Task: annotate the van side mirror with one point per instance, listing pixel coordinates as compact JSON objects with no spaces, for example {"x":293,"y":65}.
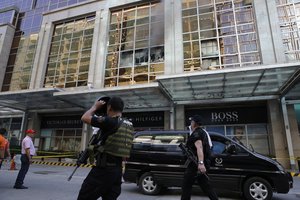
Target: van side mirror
{"x":231,"y":149}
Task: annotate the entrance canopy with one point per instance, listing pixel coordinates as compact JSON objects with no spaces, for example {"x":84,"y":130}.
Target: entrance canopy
{"x":227,"y":85}
{"x":39,"y":99}
{"x":148,"y":96}
{"x":246,"y":83}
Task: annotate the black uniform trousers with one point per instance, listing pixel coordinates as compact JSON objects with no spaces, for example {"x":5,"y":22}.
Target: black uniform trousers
{"x":102,"y":182}
{"x":190,"y":176}
{"x":23,"y":171}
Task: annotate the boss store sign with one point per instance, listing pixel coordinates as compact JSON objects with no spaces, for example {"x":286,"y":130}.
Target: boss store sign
{"x":148,"y":119}
{"x":62,"y":122}
{"x":232,"y":115}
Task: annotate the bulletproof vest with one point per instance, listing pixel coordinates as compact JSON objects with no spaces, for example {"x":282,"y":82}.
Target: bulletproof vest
{"x":119,"y":143}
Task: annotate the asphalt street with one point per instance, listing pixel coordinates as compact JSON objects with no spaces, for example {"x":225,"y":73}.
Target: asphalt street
{"x":50,"y":183}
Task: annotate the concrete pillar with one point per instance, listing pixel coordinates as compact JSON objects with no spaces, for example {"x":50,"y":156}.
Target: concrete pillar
{"x":277,"y":135}
{"x":34,"y":122}
{"x":7,"y":33}
{"x":288,"y":133}
{"x":42,"y":53}
{"x":269,"y":34}
{"x":167,"y":120}
{"x":101,"y":40}
{"x":294,"y":132}
{"x":173,"y":37}
{"x":84,"y":137}
{"x":179,"y":120}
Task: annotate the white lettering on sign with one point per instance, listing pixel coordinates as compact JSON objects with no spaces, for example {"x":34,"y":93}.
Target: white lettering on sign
{"x":146,"y":119}
{"x":225,"y":116}
{"x":69,"y":121}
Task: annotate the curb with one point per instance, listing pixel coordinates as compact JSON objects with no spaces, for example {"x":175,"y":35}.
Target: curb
{"x":60,"y":164}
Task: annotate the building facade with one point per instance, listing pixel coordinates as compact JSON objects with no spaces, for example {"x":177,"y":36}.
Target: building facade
{"x":234,"y":62}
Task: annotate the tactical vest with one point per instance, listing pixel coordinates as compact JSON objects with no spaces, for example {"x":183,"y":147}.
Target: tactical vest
{"x":119,"y":143}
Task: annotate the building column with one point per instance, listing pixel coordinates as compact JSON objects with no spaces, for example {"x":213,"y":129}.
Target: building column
{"x":277,"y":135}
{"x":172,"y":117}
{"x":179,"y":120}
{"x":100,"y":41}
{"x":84,"y":137}
{"x":288,"y":133}
{"x":173,"y":37}
{"x":294,"y":131}
{"x":7,"y":33}
{"x":34,"y":122}
{"x":42,"y":54}
{"x":269,"y":34}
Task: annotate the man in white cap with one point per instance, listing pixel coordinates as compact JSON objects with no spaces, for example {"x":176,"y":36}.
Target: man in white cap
{"x":28,"y":151}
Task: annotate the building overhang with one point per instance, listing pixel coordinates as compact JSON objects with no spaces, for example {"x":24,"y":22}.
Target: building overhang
{"x":38,"y":99}
{"x":229,"y":85}
{"x":136,"y":97}
{"x":220,"y":86}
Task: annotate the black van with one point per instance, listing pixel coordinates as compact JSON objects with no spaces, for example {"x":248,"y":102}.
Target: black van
{"x":157,"y":162}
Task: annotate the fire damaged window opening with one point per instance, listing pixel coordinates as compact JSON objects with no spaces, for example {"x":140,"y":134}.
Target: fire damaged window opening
{"x":136,"y":45}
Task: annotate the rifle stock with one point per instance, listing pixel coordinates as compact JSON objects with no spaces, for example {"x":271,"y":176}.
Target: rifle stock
{"x":82,"y":159}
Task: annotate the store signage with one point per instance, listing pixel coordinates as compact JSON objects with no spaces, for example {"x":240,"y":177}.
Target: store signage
{"x":146,"y":119}
{"x":61,"y":122}
{"x":233,"y":115}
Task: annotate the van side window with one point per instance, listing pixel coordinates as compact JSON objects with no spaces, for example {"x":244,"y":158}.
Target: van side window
{"x":167,"y":142}
{"x":220,"y":145}
{"x":142,"y":141}
{"x":168,"y":139}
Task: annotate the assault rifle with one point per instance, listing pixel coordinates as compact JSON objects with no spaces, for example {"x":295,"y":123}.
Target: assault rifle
{"x":82,"y":158}
{"x":191,"y":156}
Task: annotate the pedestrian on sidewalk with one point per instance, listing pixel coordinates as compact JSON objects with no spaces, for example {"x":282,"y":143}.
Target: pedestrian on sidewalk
{"x":27,"y":152}
{"x":2,"y":145}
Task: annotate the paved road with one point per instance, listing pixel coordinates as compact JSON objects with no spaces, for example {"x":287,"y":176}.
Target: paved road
{"x":50,"y":183}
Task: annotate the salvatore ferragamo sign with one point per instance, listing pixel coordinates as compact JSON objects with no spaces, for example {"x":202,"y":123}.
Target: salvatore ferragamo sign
{"x":233,"y":115}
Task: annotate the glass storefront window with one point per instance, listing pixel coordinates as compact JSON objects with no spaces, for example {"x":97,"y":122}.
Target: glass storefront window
{"x":60,"y":139}
{"x":237,"y":133}
{"x":250,"y":135}
{"x":13,"y":127}
{"x":216,"y":129}
{"x":136,"y":45}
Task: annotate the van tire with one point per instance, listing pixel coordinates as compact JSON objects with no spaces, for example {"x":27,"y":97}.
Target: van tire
{"x":257,"y":186}
{"x":147,"y":185}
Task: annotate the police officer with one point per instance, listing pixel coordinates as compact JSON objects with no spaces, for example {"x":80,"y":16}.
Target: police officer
{"x":198,"y":143}
{"x":104,"y":180}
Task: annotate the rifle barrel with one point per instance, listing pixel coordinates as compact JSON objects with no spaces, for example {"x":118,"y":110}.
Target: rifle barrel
{"x":70,"y":177}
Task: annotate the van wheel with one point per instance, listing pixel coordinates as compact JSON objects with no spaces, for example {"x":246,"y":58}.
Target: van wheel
{"x":257,"y":188}
{"x":147,"y":185}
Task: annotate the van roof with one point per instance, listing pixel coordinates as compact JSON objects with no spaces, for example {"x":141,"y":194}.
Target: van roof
{"x":167,"y":132}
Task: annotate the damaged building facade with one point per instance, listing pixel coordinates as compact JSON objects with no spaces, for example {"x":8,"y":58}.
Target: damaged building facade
{"x":234,"y":62}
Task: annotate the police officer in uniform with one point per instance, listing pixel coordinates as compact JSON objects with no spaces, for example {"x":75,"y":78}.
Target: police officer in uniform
{"x":198,"y":143}
{"x":104,"y":180}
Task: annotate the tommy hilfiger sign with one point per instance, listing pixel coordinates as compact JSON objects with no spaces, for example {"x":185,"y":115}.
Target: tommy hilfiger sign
{"x":232,"y":115}
{"x":146,"y":119}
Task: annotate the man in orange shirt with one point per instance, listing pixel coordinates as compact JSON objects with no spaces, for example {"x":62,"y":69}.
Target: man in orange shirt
{"x":2,"y":145}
